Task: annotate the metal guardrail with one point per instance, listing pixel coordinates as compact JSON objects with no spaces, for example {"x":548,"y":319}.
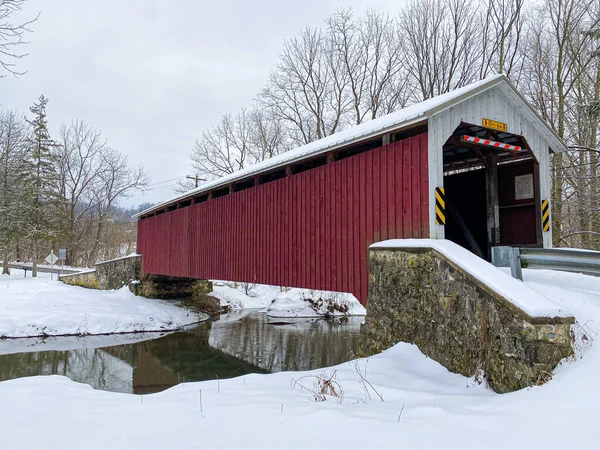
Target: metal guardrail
{"x":26,"y":267}
{"x":569,"y":260}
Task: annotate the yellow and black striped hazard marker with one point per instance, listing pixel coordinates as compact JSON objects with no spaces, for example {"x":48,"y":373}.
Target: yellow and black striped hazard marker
{"x":545,"y":215}
{"x":440,"y":206}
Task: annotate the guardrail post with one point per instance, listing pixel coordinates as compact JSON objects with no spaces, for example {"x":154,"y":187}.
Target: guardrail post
{"x":504,"y":256}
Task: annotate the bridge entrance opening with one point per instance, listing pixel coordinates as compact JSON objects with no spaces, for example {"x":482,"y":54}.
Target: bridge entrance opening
{"x":492,"y":190}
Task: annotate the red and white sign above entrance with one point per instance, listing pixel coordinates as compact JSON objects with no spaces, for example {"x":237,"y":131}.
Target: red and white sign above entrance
{"x":489,"y":143}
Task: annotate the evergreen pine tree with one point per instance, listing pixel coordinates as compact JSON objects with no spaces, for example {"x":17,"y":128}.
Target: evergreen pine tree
{"x":42,"y":198}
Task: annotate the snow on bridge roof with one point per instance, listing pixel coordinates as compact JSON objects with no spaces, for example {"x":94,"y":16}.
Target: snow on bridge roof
{"x":395,"y":121}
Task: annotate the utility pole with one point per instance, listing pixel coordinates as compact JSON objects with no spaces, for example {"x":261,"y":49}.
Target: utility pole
{"x":195,"y":178}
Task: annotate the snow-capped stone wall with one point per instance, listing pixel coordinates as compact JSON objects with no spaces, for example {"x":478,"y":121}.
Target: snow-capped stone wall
{"x":421,"y":296}
{"x":116,"y":273}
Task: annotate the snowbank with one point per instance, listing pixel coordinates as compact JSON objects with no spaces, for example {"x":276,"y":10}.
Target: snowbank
{"x":40,"y":307}
{"x":307,"y":303}
{"x":513,"y":290}
{"x":292,"y":302}
{"x":64,"y":343}
{"x":425,"y":405}
{"x":244,"y":296}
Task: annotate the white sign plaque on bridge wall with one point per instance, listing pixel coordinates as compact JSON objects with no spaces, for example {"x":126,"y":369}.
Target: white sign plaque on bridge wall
{"x":524,"y":187}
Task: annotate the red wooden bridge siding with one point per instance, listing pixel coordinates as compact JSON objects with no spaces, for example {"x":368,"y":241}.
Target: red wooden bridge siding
{"x":309,"y":230}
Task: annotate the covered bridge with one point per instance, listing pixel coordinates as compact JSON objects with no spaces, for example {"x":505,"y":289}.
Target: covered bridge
{"x":471,"y":166}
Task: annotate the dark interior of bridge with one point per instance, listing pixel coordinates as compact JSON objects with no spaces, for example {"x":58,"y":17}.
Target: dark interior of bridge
{"x":492,"y":193}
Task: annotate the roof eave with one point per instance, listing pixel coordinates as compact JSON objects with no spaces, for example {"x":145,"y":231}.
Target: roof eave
{"x":422,"y":118}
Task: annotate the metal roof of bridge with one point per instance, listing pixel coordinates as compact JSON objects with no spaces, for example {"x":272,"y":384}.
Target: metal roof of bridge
{"x":392,"y":122}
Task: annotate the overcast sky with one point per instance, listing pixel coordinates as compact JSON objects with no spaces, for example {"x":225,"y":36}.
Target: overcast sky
{"x":152,"y":74}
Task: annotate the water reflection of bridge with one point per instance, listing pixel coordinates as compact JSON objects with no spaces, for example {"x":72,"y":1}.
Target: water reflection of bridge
{"x":141,"y":367}
{"x":235,"y":345}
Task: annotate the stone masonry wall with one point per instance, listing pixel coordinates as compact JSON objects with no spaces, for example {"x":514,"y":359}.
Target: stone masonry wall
{"x":418,"y":296}
{"x":127,"y":271}
{"x":86,"y":279}
{"x":162,"y":286}
{"x":120,"y":272}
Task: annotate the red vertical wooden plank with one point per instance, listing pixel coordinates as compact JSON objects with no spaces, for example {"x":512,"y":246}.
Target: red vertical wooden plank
{"x":199,"y":240}
{"x":233,"y":217}
{"x":302,"y":278}
{"x":406,"y":198}
{"x":281,"y":255}
{"x":398,"y":188}
{"x":364,"y":233}
{"x":424,"y":185}
{"x":268,"y":219}
{"x":298,"y":226}
{"x":349,"y":268}
{"x":415,"y":184}
{"x":369,"y":202}
{"x":314,"y":228}
{"x":197,"y":229}
{"x":338,"y":222}
{"x":344,"y":225}
{"x":247,"y":227}
{"x":250,"y":271}
{"x":217,"y":234}
{"x":356,"y":244}
{"x":350,"y":225}
{"x":276,"y":239}
{"x":329,"y":189}
{"x":278,"y":244}
{"x":203,"y":240}
{"x":291,"y":226}
{"x":287,"y":201}
{"x":261,"y":221}
{"x":391,"y":195}
{"x":190,"y":254}
{"x":376,"y":166}
{"x":311,"y":194}
{"x":238,"y":216}
{"x":322,"y":226}
{"x":384,"y":191}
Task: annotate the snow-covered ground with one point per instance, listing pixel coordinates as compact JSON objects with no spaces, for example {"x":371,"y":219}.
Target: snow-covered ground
{"x":292,"y":302}
{"x":425,"y":406}
{"x":39,"y":306}
{"x":308,"y":303}
{"x":64,"y":343}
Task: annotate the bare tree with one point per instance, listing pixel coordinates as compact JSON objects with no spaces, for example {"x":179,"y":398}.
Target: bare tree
{"x":557,"y":59}
{"x":502,"y":38}
{"x":268,"y":135}
{"x":224,"y":148}
{"x":12,"y":36}
{"x":307,"y":88}
{"x":370,"y":55}
{"x":441,"y":44}
{"x":13,"y":144}
{"x":80,"y":169}
{"x":117,"y":181}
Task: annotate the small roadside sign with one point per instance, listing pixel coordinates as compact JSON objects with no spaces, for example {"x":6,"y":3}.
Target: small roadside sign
{"x":51,"y":258}
{"x":62,"y":254}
